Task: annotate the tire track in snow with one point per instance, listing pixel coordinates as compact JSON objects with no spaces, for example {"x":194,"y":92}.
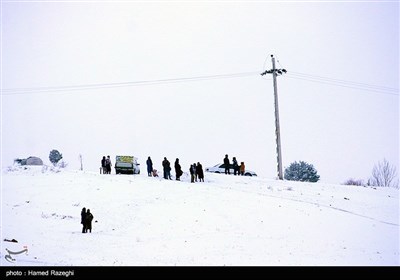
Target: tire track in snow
{"x":312,"y":203}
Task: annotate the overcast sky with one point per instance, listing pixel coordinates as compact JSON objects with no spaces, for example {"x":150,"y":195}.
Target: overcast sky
{"x":338,"y":102}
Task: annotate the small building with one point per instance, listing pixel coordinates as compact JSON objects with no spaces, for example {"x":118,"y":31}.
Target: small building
{"x":34,"y":161}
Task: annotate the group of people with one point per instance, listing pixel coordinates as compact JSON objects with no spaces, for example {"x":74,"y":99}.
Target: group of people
{"x":86,"y":220}
{"x":237,"y":169}
{"x":106,"y":165}
{"x":196,"y":170}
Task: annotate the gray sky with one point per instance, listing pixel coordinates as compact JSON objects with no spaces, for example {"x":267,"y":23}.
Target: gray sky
{"x":339,"y":103}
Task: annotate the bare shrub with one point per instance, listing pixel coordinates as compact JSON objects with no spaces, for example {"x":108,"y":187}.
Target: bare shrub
{"x":384,"y":175}
{"x":354,"y":182}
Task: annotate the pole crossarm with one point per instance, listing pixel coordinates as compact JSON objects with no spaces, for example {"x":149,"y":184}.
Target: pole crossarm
{"x":277,"y":72}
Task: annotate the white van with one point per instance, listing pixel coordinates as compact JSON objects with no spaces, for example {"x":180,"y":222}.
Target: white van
{"x":126,"y":165}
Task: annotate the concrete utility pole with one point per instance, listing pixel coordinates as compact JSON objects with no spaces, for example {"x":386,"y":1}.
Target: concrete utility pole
{"x":275,"y":72}
{"x":80,"y":158}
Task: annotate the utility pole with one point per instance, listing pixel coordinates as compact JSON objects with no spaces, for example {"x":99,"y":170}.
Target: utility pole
{"x":275,"y":72}
{"x":80,"y":158}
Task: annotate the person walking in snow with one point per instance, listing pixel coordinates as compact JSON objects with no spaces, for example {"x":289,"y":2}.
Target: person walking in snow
{"x":88,"y":220}
{"x":83,"y":219}
{"x":149,"y":163}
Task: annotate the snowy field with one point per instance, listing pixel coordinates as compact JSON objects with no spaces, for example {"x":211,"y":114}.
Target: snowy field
{"x":227,"y":220}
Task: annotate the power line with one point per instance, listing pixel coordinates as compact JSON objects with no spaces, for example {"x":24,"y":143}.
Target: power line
{"x":369,"y":88}
{"x":343,"y":81}
{"x":292,"y":75}
{"x":31,"y":90}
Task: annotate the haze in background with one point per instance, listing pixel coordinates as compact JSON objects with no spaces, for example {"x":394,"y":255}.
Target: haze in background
{"x":342,"y":128}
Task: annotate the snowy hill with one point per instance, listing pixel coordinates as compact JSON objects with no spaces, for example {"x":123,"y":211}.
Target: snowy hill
{"x":227,"y":220}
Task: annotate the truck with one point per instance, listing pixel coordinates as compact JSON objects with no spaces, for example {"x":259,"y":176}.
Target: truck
{"x":126,"y":165}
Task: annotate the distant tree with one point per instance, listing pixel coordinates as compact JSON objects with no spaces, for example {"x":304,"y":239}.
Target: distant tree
{"x":55,"y":157}
{"x":383,"y":175}
{"x":354,"y":182}
{"x":301,"y":171}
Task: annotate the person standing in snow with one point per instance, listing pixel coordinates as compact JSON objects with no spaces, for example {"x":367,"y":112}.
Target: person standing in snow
{"x":178,"y":170}
{"x":235,"y":166}
{"x":103,"y":165}
{"x":83,"y":219}
{"x":88,"y":220}
{"x":167,"y":168}
{"x":192,"y":171}
{"x":200,"y":172}
{"x":195,"y":172}
{"x":149,"y":163}
{"x":108,"y":165}
{"x":242,"y":167}
{"x":227,"y":164}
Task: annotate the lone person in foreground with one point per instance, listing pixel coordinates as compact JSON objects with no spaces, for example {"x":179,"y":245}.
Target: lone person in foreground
{"x":89,"y":219}
{"x":83,"y":219}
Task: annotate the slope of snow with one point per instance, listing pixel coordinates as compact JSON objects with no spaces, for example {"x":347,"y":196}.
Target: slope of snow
{"x":227,"y":220}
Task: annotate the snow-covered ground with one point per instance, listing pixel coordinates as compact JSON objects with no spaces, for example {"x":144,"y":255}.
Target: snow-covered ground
{"x":227,"y":220}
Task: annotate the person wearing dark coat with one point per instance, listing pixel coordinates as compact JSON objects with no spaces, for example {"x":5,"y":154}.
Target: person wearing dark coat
{"x":83,"y":220}
{"x":200,"y":172}
{"x":227,"y":164}
{"x":235,"y":166}
{"x":108,"y":164}
{"x":192,"y":171}
{"x":149,"y":163}
{"x":166,"y":168}
{"x":103,"y":165}
{"x":178,"y":170}
{"x":89,"y":219}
